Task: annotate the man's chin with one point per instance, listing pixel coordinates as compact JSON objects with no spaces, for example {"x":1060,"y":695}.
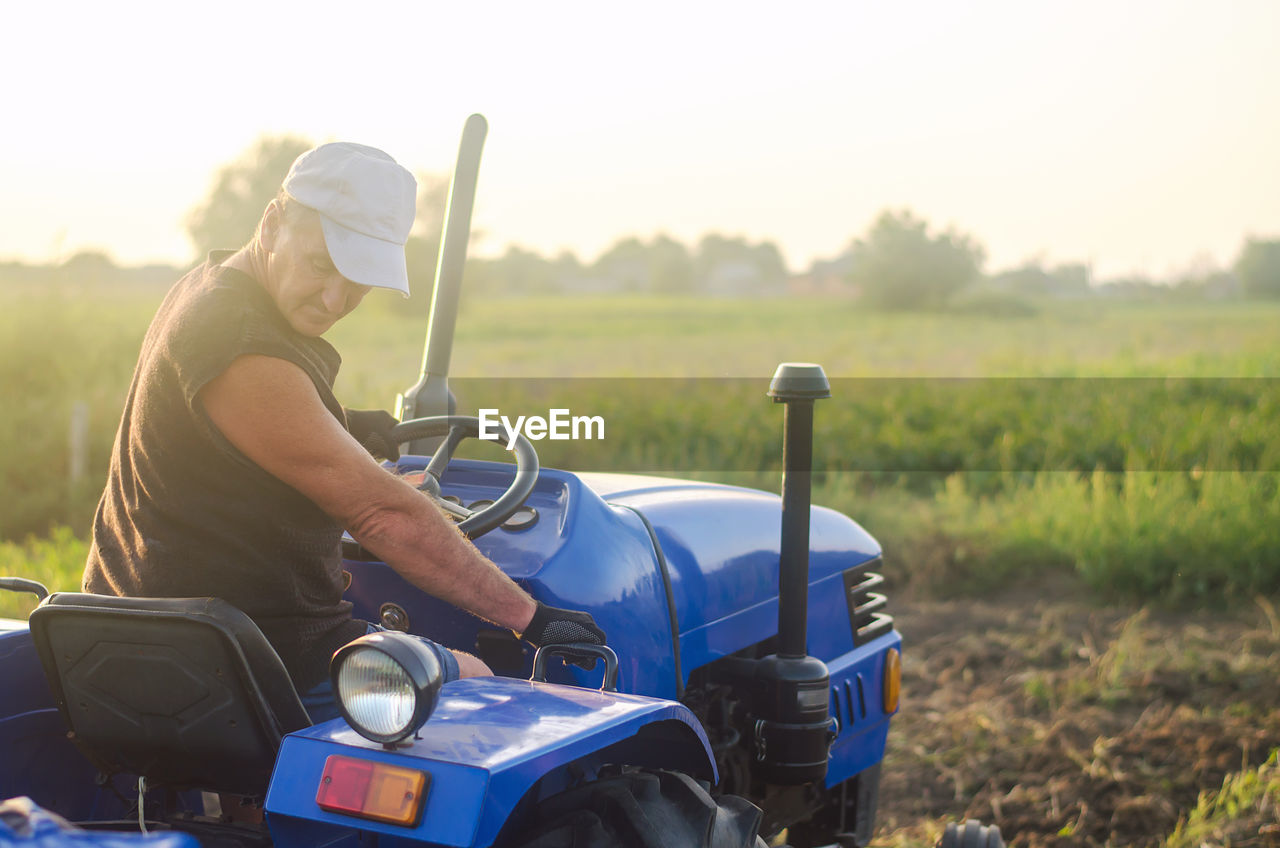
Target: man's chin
{"x":311,"y":325}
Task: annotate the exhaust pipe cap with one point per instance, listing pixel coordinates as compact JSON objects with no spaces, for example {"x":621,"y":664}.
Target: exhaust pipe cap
{"x":799,"y":381}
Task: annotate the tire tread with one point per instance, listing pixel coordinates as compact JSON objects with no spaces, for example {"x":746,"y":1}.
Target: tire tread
{"x":642,"y":809}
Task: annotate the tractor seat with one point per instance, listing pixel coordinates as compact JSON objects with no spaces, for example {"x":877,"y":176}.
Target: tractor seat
{"x":186,"y":692}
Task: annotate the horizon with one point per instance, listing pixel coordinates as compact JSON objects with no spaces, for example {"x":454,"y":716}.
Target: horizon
{"x":1136,"y":140}
{"x":1196,"y":274}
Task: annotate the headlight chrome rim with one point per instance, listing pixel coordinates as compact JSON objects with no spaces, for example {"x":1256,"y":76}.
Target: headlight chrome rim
{"x":387,"y":671}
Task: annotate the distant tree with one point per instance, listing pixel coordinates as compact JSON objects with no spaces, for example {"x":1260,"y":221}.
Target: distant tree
{"x":899,"y":265}
{"x":768,"y":259}
{"x":523,"y":271}
{"x":89,"y":267}
{"x":718,"y":264}
{"x":1034,"y":280}
{"x":1132,"y":287}
{"x":567,"y":271}
{"x":660,"y":265}
{"x":520,"y":271}
{"x":735,"y":265}
{"x":567,"y":264}
{"x":1203,"y":279}
{"x":626,"y":264}
{"x":241,"y":190}
{"x":1258,"y":268}
{"x":1028,"y":279}
{"x":1072,"y":278}
{"x":670,"y":266}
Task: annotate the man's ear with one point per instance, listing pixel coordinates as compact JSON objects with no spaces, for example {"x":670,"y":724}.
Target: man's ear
{"x":269,"y":226}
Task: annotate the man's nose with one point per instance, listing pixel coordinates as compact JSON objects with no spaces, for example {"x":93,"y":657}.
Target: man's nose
{"x":334,"y":294}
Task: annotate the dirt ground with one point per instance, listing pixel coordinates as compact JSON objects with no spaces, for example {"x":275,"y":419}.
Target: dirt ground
{"x":1067,"y":723}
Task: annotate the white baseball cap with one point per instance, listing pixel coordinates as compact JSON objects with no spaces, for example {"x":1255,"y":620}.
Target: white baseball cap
{"x":366,"y":203}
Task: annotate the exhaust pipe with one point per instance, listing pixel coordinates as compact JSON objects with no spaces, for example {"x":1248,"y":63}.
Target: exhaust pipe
{"x":797,"y":385}
{"x":431,"y":395}
{"x":791,"y":697}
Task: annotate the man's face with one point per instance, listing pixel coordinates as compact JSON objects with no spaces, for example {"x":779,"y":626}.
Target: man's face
{"x":308,"y":290}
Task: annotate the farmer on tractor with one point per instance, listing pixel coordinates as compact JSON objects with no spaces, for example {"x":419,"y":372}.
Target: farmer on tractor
{"x":235,"y":469}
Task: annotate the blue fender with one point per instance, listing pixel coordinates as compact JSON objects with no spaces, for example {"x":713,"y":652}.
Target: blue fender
{"x":485,"y":746}
{"x":36,"y":758}
{"x":24,"y":824}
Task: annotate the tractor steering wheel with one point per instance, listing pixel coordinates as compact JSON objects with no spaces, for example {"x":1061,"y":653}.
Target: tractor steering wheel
{"x":456,"y":428}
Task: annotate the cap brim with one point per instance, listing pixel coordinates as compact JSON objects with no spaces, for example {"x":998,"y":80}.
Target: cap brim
{"x":364,"y":259}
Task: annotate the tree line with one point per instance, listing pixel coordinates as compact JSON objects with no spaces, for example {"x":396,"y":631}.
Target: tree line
{"x":900,"y":263}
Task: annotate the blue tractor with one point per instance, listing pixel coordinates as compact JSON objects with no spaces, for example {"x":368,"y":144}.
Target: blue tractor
{"x":747,"y":695}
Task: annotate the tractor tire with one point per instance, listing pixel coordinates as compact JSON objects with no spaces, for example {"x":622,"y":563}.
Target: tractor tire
{"x":971,"y":834}
{"x":642,"y":809}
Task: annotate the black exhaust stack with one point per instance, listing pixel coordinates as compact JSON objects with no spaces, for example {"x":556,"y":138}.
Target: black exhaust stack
{"x":791,"y":698}
{"x":431,"y":394}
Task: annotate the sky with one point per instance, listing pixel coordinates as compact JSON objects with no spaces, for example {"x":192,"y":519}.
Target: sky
{"x":1140,"y":137}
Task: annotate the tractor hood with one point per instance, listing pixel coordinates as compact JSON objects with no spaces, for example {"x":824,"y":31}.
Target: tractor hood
{"x":654,"y":560}
{"x":721,"y":545}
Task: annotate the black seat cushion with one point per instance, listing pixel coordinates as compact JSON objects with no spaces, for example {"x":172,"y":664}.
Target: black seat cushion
{"x":185,"y":691}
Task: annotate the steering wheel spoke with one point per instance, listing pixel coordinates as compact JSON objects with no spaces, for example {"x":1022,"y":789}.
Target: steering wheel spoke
{"x":456,"y":510}
{"x":441,"y":458}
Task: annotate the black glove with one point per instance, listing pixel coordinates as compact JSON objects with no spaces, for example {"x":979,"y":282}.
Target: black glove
{"x":552,"y":626}
{"x":372,"y":429}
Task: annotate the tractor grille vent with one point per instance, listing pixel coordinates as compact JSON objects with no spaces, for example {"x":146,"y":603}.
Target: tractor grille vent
{"x":849,"y":700}
{"x":867,"y":617}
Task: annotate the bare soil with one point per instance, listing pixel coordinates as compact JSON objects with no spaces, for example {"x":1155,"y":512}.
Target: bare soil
{"x":1069,"y":723}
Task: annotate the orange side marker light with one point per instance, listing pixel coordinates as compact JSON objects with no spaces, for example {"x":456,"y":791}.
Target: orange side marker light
{"x":892,"y":680}
{"x":372,"y":790}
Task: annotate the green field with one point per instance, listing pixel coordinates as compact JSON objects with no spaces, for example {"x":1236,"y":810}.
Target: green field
{"x":1145,"y":487}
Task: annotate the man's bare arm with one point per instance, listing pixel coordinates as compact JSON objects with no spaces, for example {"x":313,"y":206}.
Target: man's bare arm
{"x":270,"y":411}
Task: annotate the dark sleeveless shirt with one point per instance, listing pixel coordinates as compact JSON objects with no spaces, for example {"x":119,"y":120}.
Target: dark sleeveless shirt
{"x":185,"y":514}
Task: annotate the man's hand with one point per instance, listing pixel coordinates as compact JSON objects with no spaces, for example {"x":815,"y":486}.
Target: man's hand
{"x":372,"y":429}
{"x":553,"y":626}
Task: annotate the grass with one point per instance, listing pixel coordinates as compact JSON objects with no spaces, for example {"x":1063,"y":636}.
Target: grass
{"x":1183,"y":537}
{"x":1142,"y":485}
{"x":1149,"y":489}
{"x":58,"y":349}
{"x":1068,"y":722}
{"x":57,"y":561}
{"x":650,"y":336}
{"x":1216,"y":819}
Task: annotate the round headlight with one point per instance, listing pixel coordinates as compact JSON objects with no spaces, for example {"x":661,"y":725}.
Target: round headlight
{"x":386,"y":685}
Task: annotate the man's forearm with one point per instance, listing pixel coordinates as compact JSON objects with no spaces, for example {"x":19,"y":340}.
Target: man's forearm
{"x":268,"y":409}
{"x":413,"y":536}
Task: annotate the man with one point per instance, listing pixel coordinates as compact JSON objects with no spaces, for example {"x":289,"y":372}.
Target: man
{"x":234,"y":470}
